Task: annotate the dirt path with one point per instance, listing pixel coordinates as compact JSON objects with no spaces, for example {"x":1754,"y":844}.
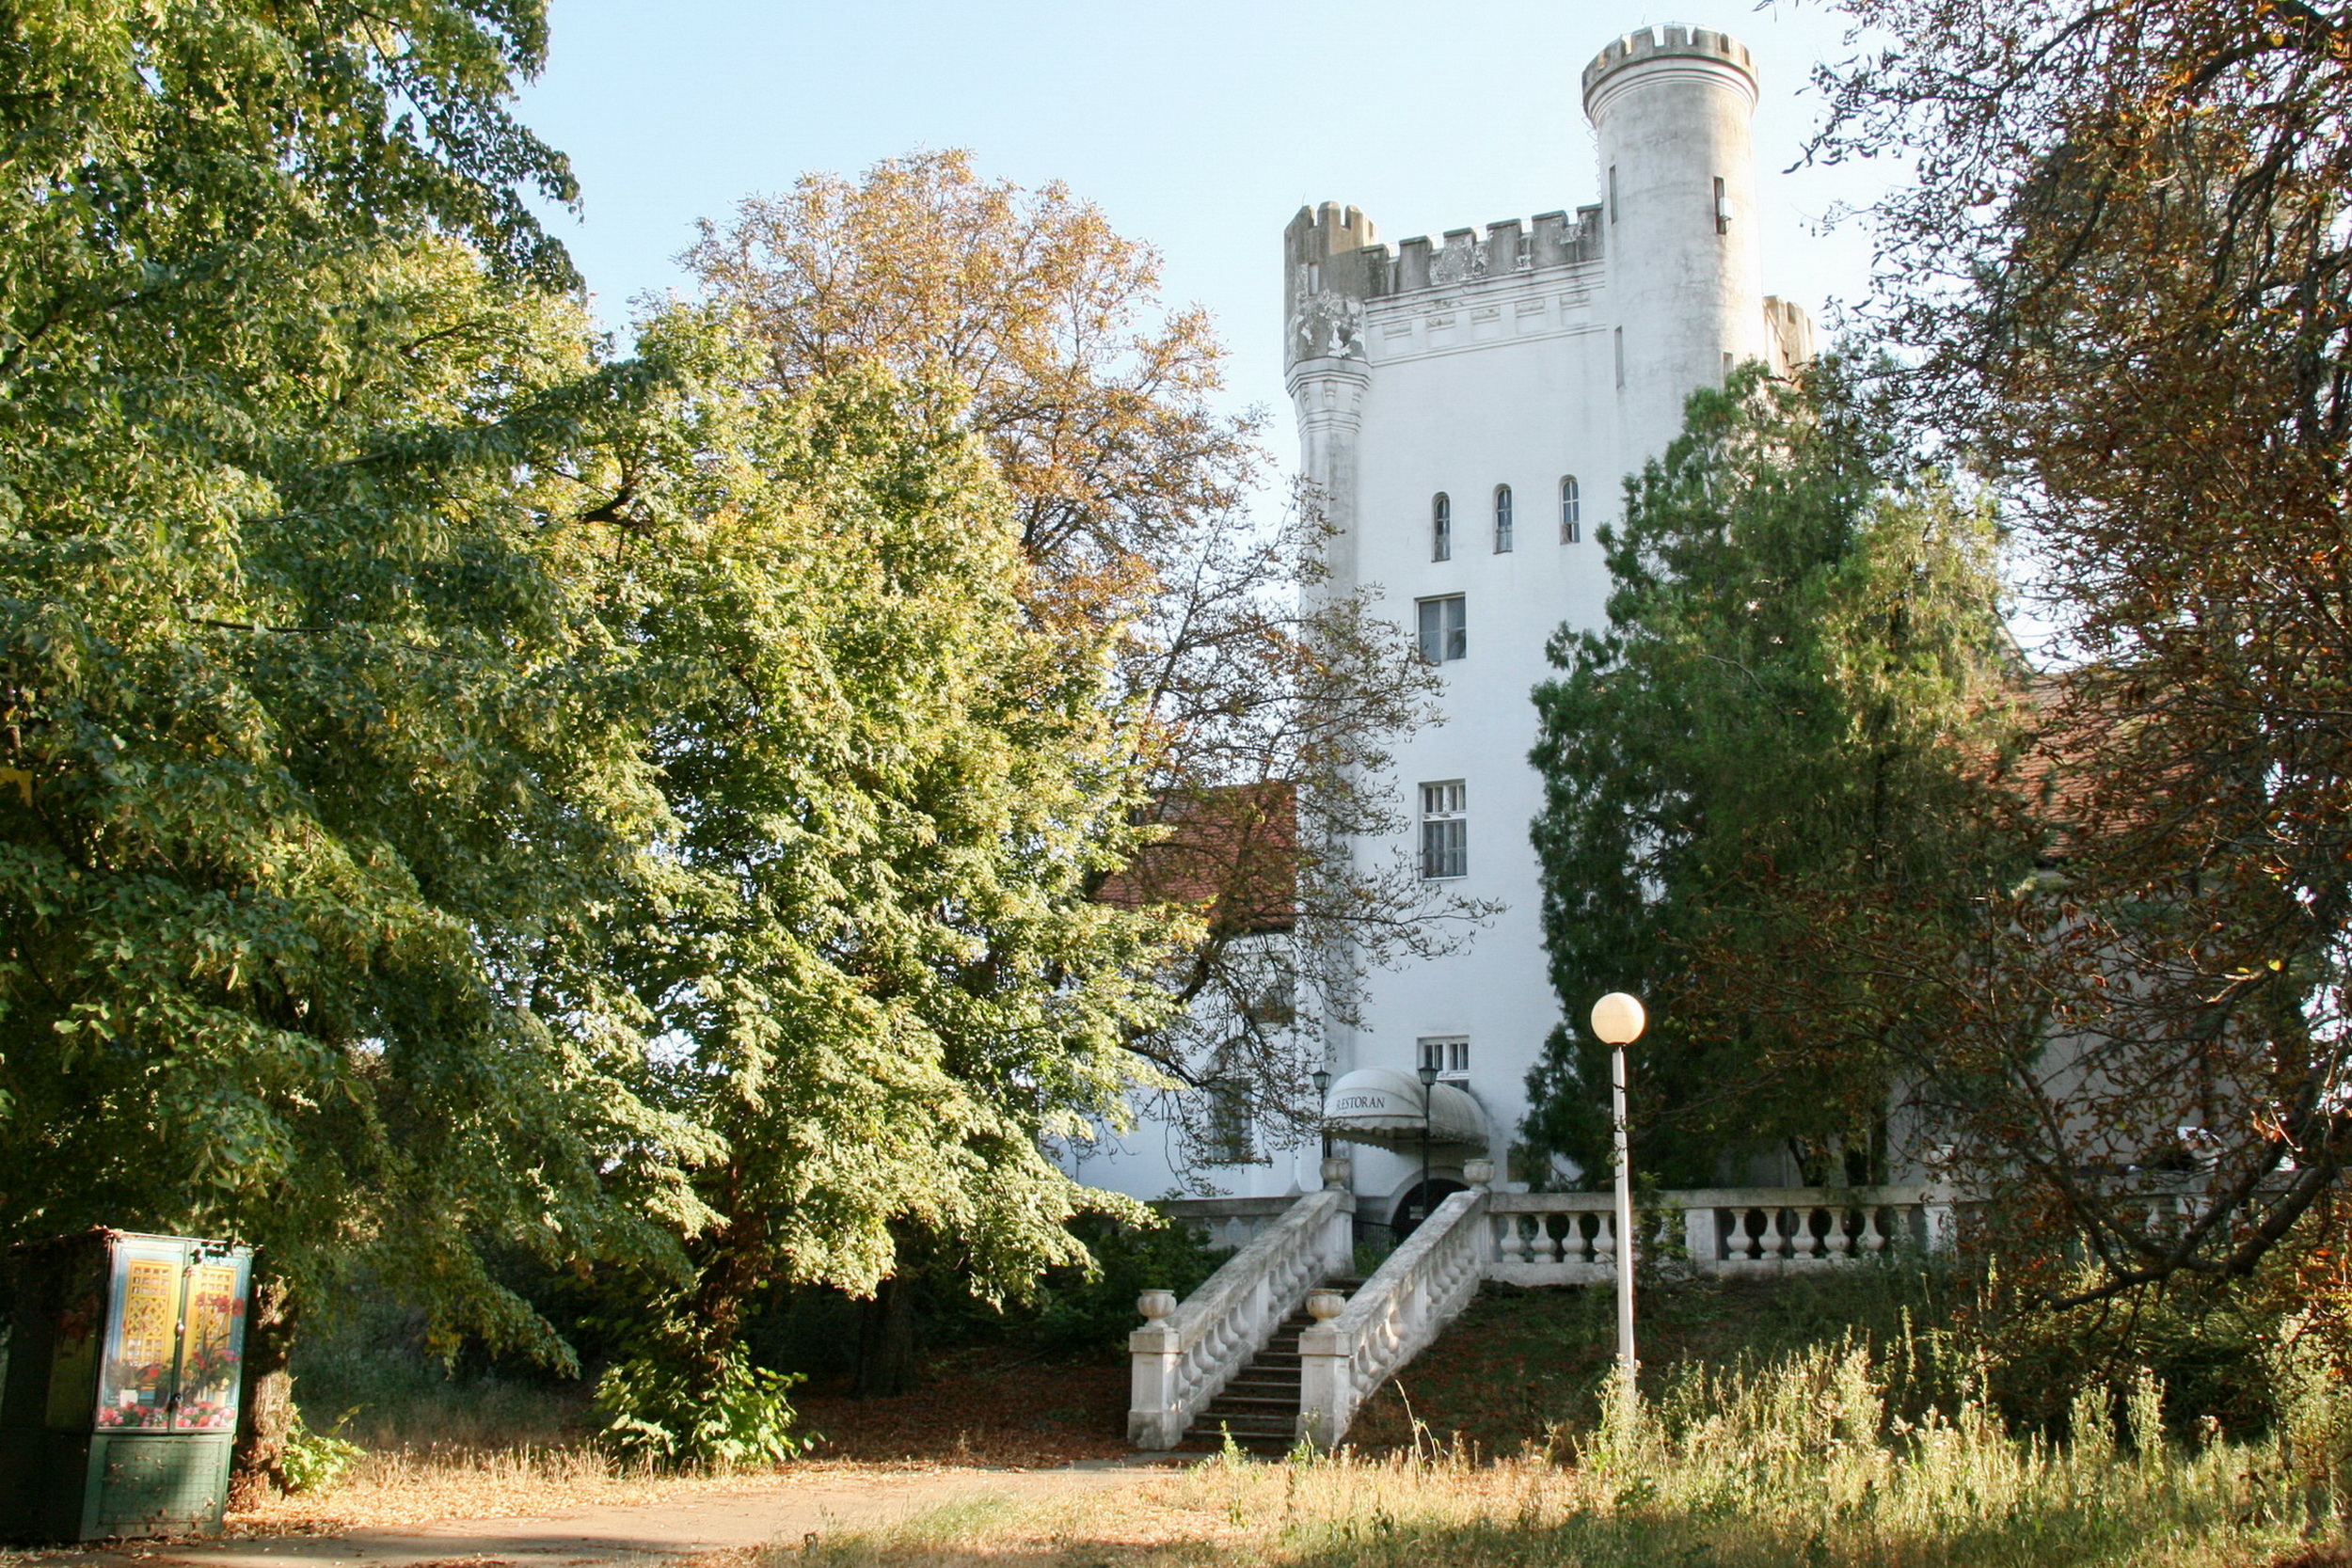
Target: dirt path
{"x":789,"y":1511}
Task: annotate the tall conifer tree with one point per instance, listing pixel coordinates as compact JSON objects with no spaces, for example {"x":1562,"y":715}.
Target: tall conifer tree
{"x":1782,"y":738}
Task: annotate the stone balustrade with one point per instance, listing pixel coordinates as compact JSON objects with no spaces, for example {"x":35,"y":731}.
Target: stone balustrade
{"x":1186,"y":1352}
{"x":1355,"y":1345}
{"x":1570,"y":1238}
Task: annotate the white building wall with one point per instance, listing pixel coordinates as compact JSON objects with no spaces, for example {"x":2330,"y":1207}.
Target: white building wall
{"x":1536,"y":351}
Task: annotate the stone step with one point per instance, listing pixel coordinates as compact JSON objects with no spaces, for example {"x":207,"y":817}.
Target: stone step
{"x":1260,"y":1407}
{"x":1251,"y":1404}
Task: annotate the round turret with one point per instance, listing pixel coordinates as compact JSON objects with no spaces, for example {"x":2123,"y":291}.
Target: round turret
{"x":1672,"y":109}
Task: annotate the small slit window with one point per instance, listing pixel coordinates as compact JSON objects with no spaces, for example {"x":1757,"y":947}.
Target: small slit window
{"x":1440,"y":528}
{"x":1503,"y":519}
{"x":1572,"y":512}
{"x":1722,"y":208}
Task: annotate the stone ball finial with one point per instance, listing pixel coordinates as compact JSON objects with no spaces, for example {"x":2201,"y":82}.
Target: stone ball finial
{"x":1155,"y":1305}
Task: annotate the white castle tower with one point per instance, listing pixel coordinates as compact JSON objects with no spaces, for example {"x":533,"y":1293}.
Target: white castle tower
{"x":1469,"y":410}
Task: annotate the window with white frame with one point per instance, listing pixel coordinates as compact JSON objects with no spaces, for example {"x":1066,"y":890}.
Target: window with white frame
{"x":1444,"y":831}
{"x":1571,"y":511}
{"x":1443,"y":635}
{"x":1440,"y":528}
{"x":1503,"y":519}
{"x":1448,"y":1054}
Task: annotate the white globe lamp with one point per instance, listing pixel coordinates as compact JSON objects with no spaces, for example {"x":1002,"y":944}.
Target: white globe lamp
{"x":1618,"y":1020}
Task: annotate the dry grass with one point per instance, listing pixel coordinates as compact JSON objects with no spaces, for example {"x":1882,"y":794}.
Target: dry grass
{"x":416,"y":1486}
{"x":1801,"y":1462}
{"x":1446,"y":1512}
{"x":491,"y":1454}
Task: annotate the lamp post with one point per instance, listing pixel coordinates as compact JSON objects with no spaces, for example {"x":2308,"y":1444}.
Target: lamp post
{"x":1617,"y":1019}
{"x":1428,"y":1092}
{"x":1323,"y":1115}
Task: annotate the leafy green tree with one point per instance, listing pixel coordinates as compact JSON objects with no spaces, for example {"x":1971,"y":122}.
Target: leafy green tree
{"x":318,"y":779}
{"x":1782,"y":740}
{"x":1259,"y":703}
{"x":893,"y":793}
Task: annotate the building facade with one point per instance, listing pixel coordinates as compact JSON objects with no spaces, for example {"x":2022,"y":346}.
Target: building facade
{"x":1468,"y":410}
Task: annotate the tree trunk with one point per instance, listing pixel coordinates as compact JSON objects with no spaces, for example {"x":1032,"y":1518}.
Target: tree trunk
{"x":266,"y":1408}
{"x":885,"y":1340}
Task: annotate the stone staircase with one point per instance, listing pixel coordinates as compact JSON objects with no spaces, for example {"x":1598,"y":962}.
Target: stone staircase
{"x":1259,"y":1408}
{"x":1270,"y":1371}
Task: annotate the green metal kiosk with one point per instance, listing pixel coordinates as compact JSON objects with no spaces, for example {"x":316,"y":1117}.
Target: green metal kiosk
{"x":119,"y":1392}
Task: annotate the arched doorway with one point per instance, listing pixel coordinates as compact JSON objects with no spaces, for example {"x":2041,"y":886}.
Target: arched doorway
{"x":1419,"y":1199}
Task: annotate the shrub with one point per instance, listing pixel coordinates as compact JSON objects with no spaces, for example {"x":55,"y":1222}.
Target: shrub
{"x":661,"y":1414}
{"x":314,"y":1461}
{"x":1081,"y":1310}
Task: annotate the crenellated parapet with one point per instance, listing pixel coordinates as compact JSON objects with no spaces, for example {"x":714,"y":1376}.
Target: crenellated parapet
{"x":1333,"y":264}
{"x":1790,"y":335}
{"x":1671,"y":43}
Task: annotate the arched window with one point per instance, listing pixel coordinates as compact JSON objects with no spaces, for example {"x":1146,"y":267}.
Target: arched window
{"x":1503,"y":519}
{"x":1572,"y":512}
{"x":1440,"y":528}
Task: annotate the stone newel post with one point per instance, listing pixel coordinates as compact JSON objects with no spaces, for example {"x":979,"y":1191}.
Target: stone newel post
{"x":1152,"y":1419}
{"x":1325,"y":1367}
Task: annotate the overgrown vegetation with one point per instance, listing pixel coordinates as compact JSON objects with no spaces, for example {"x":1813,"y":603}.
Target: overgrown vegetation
{"x":1807,"y":1460}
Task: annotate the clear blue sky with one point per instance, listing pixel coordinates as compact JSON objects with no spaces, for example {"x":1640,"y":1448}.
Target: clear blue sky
{"x":1201,"y":128}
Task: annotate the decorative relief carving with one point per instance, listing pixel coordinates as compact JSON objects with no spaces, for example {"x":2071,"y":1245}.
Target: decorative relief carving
{"x":1325,"y":325}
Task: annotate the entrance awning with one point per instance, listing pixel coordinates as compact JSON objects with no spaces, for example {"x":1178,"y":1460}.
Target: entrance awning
{"x":1381,"y":1105}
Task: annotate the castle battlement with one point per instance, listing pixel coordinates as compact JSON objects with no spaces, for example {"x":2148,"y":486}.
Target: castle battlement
{"x":1669,"y":42}
{"x":1335,"y":251}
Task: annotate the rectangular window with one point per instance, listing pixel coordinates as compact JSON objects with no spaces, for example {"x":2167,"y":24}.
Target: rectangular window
{"x":1723,"y":209}
{"x":1612,"y":193}
{"x":1620,"y":341}
{"x":1229,"y":1131}
{"x":1503,"y":519}
{"x":1444,"y":831}
{"x":1448,"y":1054}
{"x":1443,"y":637}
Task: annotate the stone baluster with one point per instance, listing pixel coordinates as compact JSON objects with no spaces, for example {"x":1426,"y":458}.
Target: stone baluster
{"x":1699,"y":1239}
